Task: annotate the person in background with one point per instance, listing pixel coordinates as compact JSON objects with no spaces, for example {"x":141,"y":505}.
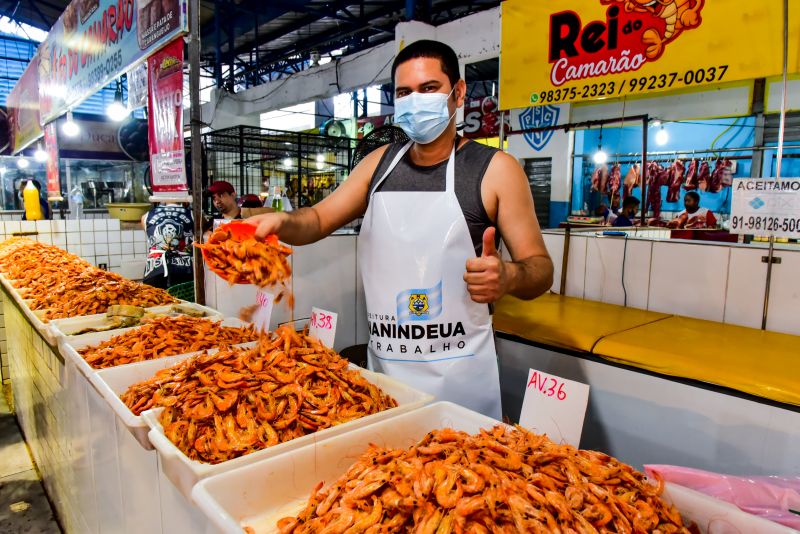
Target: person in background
{"x":693,"y":216}
{"x":42,"y":202}
{"x":169,"y":229}
{"x":627,"y":215}
{"x":250,"y":201}
{"x":223,"y":195}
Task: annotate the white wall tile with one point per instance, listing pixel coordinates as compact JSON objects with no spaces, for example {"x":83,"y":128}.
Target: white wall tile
{"x":101,"y":259}
{"x":100,"y":236}
{"x":90,"y":259}
{"x":12,"y":226}
{"x":87,"y":225}
{"x":114,"y":236}
{"x":28,"y":226}
{"x":73,"y":225}
{"x":99,"y":224}
{"x":114,"y":248}
{"x":101,"y":248}
{"x":43,"y":227}
{"x":689,"y":280}
{"x":60,"y":240}
{"x":139,"y":235}
{"x":127,"y":248}
{"x":140,"y":247}
{"x":128,"y":258}
{"x":126,"y":236}
{"x":45,"y":238}
{"x":59,"y":225}
{"x":113,"y":224}
{"x":87,"y":238}
{"x":73,"y":238}
{"x":74,"y":248}
{"x":87,"y":250}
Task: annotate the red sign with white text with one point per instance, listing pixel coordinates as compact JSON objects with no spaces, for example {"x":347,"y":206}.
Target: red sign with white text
{"x":51,"y":147}
{"x":481,"y":118}
{"x":165,"y":128}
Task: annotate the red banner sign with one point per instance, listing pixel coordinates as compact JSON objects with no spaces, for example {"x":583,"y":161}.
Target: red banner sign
{"x":481,"y":119}
{"x":165,"y":81}
{"x":51,"y":147}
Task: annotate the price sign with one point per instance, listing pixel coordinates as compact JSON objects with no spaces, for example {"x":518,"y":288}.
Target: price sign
{"x":554,"y":406}
{"x":766,"y":207}
{"x":322,"y":326}
{"x":265,"y":302}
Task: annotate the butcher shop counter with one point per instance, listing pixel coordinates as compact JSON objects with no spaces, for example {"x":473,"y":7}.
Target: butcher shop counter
{"x":690,"y":392}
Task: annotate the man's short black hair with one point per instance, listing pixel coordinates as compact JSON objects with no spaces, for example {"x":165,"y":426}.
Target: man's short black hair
{"x":693,"y":194}
{"x":630,"y":202}
{"x":430,"y":49}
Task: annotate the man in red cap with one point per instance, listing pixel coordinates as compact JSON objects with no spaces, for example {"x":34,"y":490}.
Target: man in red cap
{"x":223,"y":195}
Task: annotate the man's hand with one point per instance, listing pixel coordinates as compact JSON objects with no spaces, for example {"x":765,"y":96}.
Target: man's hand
{"x":486,"y":277}
{"x":267,"y":223}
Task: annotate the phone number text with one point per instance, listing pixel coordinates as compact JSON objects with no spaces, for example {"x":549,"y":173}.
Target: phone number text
{"x":765,"y":224}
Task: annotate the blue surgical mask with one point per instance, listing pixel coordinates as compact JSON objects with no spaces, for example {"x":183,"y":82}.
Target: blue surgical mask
{"x":423,"y":116}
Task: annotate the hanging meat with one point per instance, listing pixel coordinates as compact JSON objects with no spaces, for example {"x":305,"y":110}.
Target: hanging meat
{"x":675,"y":181}
{"x":703,"y":176}
{"x":656,"y":177}
{"x":718,"y":177}
{"x":614,"y":181}
{"x":600,"y":178}
{"x":632,"y":180}
{"x":691,"y":176}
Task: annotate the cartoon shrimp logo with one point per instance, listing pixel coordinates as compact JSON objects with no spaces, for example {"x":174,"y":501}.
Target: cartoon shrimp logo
{"x":678,"y":15}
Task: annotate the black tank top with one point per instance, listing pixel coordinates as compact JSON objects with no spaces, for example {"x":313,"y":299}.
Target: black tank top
{"x":472,"y":160}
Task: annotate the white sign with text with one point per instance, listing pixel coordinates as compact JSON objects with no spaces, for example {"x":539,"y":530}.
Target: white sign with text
{"x":265,"y":302}
{"x":766,"y":207}
{"x":554,"y":406}
{"x":322,"y":326}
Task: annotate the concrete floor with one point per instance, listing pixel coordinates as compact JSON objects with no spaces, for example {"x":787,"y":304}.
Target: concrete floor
{"x":24,"y":508}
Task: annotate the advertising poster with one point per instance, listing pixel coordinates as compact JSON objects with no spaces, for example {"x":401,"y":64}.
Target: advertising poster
{"x":167,"y":157}
{"x":579,"y":50}
{"x":51,"y":147}
{"x":23,"y":108}
{"x":94,"y":41}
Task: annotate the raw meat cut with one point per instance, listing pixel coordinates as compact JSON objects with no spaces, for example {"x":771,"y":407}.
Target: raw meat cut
{"x":599,"y":178}
{"x":614,"y":180}
{"x":703,"y":176}
{"x":715,"y":183}
{"x":691,"y":176}
{"x":656,"y":176}
{"x":675,"y":181}
{"x":632,"y":180}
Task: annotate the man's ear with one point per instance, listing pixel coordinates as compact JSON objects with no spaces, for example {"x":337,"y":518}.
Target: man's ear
{"x":460,"y":93}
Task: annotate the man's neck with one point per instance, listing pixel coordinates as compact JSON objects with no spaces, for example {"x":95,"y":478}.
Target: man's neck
{"x":231,"y":214}
{"x":693,"y":210}
{"x":437,"y":151}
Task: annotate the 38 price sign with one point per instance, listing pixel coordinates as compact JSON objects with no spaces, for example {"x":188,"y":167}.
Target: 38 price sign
{"x":554,"y":406}
{"x":322,"y":325}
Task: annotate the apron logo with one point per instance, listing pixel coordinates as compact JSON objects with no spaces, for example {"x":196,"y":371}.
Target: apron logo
{"x":419,"y":304}
{"x":539,"y":117}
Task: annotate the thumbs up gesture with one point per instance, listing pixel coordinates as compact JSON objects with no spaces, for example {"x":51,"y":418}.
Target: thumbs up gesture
{"x":486,"y":276}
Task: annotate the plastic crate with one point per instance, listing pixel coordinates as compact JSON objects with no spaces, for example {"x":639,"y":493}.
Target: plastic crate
{"x":184,"y":291}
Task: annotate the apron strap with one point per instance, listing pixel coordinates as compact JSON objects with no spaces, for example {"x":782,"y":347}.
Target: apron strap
{"x":450,"y":173}
{"x":391,"y":167}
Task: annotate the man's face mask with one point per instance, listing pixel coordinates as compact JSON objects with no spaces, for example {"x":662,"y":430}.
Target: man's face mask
{"x":423,"y":116}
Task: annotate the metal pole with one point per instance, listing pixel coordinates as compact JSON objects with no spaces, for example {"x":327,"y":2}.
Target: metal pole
{"x":197,"y":156}
{"x":241,"y":160}
{"x":643,"y":172}
{"x":781,"y":133}
{"x":217,"y":47}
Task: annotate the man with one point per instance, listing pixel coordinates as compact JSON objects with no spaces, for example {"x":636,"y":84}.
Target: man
{"x":693,"y":216}
{"x":223,"y":196}
{"x":626,"y":217}
{"x":169,"y":230}
{"x":427,"y":248}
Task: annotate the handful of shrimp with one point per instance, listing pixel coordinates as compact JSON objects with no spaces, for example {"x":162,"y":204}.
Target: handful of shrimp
{"x":501,"y":480}
{"x":236,"y":255}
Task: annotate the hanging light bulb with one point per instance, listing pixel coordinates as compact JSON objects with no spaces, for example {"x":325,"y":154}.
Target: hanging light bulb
{"x":116,"y":110}
{"x":23,"y":163}
{"x":656,"y":123}
{"x":320,"y":158}
{"x":287,"y":162}
{"x":40,"y":155}
{"x":662,"y":137}
{"x":600,"y":157}
{"x":70,"y":128}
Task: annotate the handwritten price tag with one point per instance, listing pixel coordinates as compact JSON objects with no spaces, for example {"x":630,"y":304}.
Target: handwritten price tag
{"x":322,"y":326}
{"x":554,"y":406}
{"x":265,"y":302}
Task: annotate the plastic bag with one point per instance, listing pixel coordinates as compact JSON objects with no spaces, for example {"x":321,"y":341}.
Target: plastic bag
{"x":774,"y":498}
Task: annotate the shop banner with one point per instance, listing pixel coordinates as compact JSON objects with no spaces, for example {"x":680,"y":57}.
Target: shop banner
{"x":577,"y":50}
{"x":22,"y":103}
{"x":766,"y":207}
{"x":167,"y":157}
{"x":94,"y":41}
{"x":51,"y":147}
{"x":481,"y":118}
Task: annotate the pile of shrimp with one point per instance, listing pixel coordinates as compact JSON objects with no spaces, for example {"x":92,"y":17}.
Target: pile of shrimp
{"x":247,"y":261}
{"x":221,"y":406}
{"x":165,"y":336}
{"x":502,"y":480}
{"x":67,"y":286}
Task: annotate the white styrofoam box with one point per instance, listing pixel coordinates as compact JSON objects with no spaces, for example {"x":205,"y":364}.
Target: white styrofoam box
{"x":101,"y":249}
{"x":604,"y":257}
{"x":688,"y":279}
{"x":745,"y":291}
{"x":138,"y":468}
{"x":713,"y":516}
{"x":43,"y":227}
{"x":127,"y":248}
{"x":113,"y":224}
{"x":99,"y":224}
{"x":86,"y":225}
{"x":228,"y":499}
{"x":27,"y":226}
{"x":100,"y":236}
{"x":73,"y":225}
{"x":58,"y":226}
{"x":65,"y":327}
{"x":12,"y":227}
{"x":114,"y":381}
{"x":114,"y":248}
{"x":185,"y":473}
{"x":35,"y":318}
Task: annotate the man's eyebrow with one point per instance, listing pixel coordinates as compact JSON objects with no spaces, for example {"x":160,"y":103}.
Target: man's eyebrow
{"x":429,"y":82}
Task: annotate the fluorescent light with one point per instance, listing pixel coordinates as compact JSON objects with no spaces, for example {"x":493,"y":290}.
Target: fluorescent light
{"x":320,"y":158}
{"x":287,"y":163}
{"x":40,"y":155}
{"x":662,"y":137}
{"x":23,"y":163}
{"x":600,"y":157}
{"x":70,"y":128}
{"x":116,"y":111}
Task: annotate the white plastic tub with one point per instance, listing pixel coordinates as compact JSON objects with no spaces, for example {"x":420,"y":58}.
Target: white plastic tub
{"x":114,"y":381}
{"x":185,"y":473}
{"x":260,"y":494}
{"x":69,"y":346}
{"x":68,"y":326}
{"x":36,"y":318}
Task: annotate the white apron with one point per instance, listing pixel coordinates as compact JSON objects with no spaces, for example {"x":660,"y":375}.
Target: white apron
{"x":425,"y":330}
